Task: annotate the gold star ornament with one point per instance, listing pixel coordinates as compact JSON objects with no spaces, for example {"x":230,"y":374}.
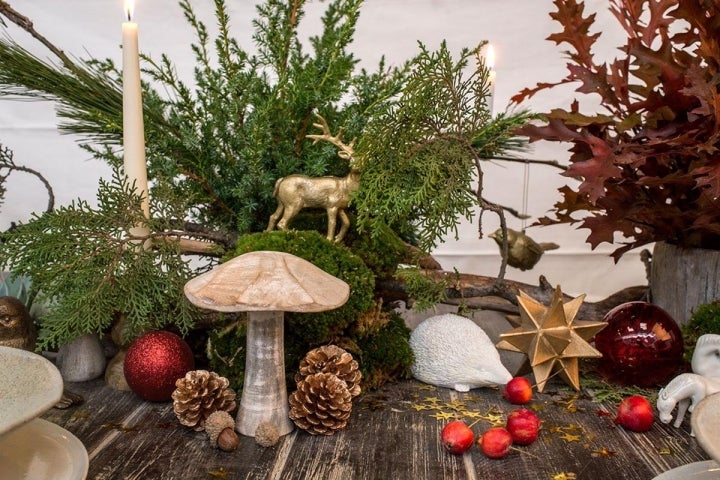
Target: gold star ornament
{"x":552,"y":338}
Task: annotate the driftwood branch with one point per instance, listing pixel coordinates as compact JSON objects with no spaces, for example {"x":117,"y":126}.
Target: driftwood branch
{"x":26,"y":24}
{"x":487,"y":293}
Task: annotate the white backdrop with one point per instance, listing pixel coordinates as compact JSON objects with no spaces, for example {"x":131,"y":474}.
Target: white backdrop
{"x":516,"y":28}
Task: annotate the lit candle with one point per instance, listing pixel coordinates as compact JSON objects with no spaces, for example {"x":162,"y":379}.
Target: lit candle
{"x":133,"y":127}
{"x":490,"y":63}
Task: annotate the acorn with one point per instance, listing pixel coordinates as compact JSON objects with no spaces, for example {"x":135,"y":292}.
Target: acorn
{"x":267,"y":434}
{"x":220,"y":427}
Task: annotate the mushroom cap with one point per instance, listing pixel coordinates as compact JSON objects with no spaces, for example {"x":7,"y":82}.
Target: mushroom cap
{"x":267,"y":281}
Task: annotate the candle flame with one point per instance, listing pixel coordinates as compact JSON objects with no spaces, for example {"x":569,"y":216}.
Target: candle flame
{"x":129,"y":7}
{"x":490,"y":57}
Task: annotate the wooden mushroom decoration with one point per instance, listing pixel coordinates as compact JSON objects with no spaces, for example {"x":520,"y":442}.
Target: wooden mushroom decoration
{"x":265,"y":284}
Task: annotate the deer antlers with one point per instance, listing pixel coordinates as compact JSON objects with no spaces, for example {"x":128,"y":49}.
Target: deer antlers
{"x":345,"y":150}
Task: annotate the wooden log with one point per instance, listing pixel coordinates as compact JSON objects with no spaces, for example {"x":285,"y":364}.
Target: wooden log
{"x":681,"y":279}
{"x":478,"y":291}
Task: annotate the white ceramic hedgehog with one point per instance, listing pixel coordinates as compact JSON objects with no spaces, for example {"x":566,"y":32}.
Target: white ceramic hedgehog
{"x":452,"y":351}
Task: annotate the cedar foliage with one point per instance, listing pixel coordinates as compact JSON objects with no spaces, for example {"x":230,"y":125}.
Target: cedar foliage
{"x":648,"y":163}
{"x":86,"y":264}
{"x":421,"y":156}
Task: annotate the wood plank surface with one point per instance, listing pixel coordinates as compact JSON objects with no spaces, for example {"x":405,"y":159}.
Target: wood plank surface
{"x":393,"y":434}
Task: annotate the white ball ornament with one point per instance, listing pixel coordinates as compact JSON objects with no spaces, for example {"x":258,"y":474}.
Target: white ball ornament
{"x":454,"y":352}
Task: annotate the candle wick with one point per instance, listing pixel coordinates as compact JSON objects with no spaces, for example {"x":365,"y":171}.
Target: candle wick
{"x":129,"y":16}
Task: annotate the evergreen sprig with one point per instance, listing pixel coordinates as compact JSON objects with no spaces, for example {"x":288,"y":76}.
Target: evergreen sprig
{"x":422,"y":154}
{"x":91,"y":269}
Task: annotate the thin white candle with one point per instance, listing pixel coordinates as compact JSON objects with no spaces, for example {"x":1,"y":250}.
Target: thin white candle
{"x":490,"y":63}
{"x":133,"y":127}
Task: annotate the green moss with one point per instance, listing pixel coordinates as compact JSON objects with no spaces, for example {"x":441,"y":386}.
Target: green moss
{"x":382,"y":252}
{"x":386,"y":353}
{"x":225,"y":351}
{"x":378,"y":340}
{"x":706,"y":319}
{"x":318,"y":328}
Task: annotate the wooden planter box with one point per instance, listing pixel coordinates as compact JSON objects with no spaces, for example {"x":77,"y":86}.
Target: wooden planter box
{"x":682,"y":279}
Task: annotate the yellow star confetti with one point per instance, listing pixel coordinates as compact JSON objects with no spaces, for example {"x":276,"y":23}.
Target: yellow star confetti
{"x":570,"y":438}
{"x":602,"y":452}
{"x":564,"y":476}
{"x":495,"y":419}
{"x":420,"y":406}
{"x":471,"y":415}
{"x":443,"y":415}
{"x":456,"y":405}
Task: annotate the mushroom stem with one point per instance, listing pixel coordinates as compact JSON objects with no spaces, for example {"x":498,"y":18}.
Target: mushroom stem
{"x":264,"y":395}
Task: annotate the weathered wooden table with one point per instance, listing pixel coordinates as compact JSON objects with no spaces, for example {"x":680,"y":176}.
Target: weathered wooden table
{"x":393,"y":435}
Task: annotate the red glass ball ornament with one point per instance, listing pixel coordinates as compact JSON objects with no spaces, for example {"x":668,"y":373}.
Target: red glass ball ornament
{"x":154,"y":361}
{"x":642,"y":345}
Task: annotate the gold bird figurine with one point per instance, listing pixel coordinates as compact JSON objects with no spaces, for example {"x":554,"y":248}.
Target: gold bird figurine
{"x":16,"y":326}
{"x":523,"y":251}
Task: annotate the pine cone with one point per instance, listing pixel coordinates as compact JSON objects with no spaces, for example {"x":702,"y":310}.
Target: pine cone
{"x":199,"y":394}
{"x":335,"y":360}
{"x":321,"y":404}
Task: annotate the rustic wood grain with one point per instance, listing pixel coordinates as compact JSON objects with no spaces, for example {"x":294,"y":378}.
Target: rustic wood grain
{"x":388,"y":437}
{"x":682,"y":279}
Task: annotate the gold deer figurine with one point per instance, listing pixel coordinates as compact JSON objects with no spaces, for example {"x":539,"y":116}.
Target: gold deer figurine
{"x":296,"y":192}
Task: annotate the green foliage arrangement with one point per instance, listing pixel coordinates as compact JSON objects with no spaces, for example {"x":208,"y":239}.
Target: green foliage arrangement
{"x":706,"y":319}
{"x":90,"y":269}
{"x":378,"y":340}
{"x":649,"y":161}
{"x":5,"y":158}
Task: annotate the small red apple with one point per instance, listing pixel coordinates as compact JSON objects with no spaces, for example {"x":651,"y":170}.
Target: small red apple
{"x":495,"y":443}
{"x":635,"y":413}
{"x":518,"y":391}
{"x":523,"y":425}
{"x":457,"y":437}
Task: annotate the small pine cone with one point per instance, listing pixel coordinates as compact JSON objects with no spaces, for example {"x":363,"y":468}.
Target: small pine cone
{"x":335,"y":360}
{"x":199,"y":394}
{"x":321,"y":404}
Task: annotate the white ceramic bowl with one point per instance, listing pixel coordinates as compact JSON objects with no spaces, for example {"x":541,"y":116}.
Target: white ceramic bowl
{"x":29,"y":386}
{"x":705,"y":423}
{"x":41,"y":450}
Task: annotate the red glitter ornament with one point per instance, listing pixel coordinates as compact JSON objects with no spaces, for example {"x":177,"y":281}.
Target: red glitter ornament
{"x":154,"y":362}
{"x":642,"y":345}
